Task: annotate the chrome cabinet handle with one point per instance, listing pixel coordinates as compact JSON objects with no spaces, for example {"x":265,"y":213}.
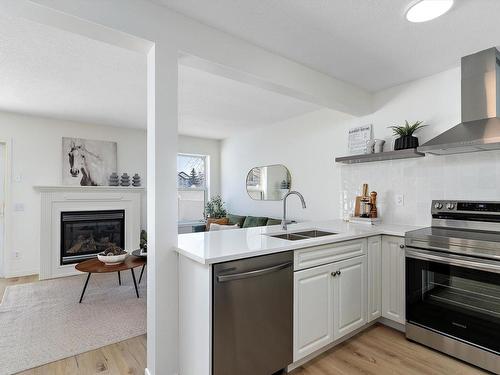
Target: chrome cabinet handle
{"x":401,"y":246}
{"x":336,"y":273}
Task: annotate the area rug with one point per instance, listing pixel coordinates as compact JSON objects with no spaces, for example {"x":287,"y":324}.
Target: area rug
{"x":43,"y":322}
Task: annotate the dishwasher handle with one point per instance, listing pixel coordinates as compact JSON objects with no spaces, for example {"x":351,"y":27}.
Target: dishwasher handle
{"x":259,"y":272}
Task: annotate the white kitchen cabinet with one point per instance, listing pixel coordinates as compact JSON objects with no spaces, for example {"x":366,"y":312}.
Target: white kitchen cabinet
{"x":374,"y":278}
{"x":329,"y":302}
{"x":393,"y":278}
{"x":349,"y":296}
{"x":313,"y":310}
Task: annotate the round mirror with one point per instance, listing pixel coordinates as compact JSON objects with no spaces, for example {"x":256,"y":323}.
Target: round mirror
{"x":269,"y":183}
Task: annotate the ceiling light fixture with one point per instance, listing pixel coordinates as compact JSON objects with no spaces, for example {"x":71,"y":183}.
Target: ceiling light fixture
{"x":426,"y":10}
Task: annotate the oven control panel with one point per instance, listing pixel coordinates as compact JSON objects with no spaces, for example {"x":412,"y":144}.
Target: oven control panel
{"x":444,"y":206}
{"x":476,"y":207}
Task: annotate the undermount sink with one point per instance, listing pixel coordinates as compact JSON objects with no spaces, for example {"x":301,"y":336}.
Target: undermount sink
{"x":289,"y":237}
{"x":304,"y":235}
{"x":314,"y":233}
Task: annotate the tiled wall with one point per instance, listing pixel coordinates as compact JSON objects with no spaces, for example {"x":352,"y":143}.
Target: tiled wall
{"x":474,"y":176}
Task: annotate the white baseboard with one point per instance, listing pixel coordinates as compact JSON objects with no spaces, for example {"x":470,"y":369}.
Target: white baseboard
{"x":146,"y":372}
{"x":21,"y":273}
{"x":391,"y":323}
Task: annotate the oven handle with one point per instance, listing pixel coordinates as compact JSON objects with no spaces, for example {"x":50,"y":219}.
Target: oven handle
{"x":454,"y":260}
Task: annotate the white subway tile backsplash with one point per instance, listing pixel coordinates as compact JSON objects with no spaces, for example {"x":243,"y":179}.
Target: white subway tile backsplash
{"x":473,"y":176}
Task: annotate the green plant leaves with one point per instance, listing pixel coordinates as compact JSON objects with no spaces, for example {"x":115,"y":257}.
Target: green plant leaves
{"x":407,"y":129}
{"x":215,"y":208}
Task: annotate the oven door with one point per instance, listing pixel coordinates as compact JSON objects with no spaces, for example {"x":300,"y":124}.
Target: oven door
{"x":455,"y":295}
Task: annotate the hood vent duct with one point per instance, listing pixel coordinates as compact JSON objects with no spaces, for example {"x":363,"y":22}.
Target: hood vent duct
{"x":480,"y":126}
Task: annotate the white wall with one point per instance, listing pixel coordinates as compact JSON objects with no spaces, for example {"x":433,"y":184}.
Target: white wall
{"x":309,"y":144}
{"x":305,"y":145}
{"x":435,"y":100}
{"x":36,"y":159}
{"x":204,"y":146}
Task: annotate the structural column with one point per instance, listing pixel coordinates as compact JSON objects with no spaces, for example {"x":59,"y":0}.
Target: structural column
{"x":162,"y":273}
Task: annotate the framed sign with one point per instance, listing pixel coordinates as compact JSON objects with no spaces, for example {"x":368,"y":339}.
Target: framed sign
{"x":358,"y":137}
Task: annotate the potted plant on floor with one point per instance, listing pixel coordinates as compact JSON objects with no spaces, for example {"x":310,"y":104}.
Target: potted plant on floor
{"x":406,"y":139}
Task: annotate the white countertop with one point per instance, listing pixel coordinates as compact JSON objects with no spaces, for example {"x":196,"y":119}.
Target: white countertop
{"x":226,"y":245}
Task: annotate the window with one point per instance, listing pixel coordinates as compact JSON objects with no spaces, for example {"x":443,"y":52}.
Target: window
{"x":192,"y":176}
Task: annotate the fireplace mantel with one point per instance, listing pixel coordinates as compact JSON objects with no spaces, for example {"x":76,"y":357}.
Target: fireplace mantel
{"x":49,"y":188}
{"x":58,"y":199}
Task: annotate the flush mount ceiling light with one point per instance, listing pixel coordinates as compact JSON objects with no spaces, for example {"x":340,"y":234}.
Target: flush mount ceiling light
{"x":426,"y":10}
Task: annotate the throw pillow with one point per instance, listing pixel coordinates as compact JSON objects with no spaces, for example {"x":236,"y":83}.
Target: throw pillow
{"x":216,"y":227}
{"x":273,"y":222}
{"x":253,"y":221}
{"x":221,"y":221}
{"x":236,"y":219}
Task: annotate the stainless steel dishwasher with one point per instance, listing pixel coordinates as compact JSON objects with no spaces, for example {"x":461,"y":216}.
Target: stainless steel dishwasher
{"x":253,"y":315}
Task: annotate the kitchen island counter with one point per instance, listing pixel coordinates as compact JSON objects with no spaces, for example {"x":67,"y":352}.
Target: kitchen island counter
{"x":221,"y":246}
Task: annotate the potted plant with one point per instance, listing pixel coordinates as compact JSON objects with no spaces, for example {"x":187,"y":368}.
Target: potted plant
{"x":405,"y":133}
{"x":214,"y":209}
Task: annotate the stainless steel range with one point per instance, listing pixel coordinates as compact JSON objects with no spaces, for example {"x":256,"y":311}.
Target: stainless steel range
{"x":453,"y":282}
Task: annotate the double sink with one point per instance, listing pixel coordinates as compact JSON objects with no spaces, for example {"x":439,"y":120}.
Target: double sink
{"x":304,"y":235}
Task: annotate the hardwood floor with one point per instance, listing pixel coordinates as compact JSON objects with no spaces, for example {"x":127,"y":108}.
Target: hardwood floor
{"x":383,"y":350}
{"x":377,"y":351}
{"x":126,"y":357}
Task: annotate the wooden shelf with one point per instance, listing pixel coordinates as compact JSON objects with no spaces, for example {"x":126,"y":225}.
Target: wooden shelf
{"x":381,"y":156}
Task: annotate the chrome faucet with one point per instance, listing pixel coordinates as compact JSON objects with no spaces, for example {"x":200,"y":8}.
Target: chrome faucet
{"x":285,"y":222}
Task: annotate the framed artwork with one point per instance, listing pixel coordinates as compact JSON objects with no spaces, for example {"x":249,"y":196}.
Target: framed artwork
{"x":87,"y":162}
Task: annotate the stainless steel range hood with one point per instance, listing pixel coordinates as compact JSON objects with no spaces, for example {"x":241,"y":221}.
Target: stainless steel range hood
{"x":480,"y":127}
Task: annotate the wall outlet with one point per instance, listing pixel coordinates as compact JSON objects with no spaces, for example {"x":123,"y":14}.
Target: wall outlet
{"x":399,"y":200}
{"x":18,"y":178}
{"x":16,"y":254}
{"x":18,"y":207}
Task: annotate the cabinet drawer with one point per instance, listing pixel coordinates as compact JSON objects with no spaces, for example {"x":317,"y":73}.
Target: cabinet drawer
{"x":324,"y":254}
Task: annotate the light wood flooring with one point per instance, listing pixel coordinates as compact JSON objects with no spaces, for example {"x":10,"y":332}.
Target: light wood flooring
{"x":377,"y":351}
{"x":381,"y":350}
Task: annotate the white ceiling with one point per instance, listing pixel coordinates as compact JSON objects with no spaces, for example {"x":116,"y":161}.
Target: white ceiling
{"x":216,"y":107}
{"x":366,"y":42}
{"x":53,"y":73}
{"x":49,"y":72}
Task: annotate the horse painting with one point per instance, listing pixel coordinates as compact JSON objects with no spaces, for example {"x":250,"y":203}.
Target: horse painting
{"x":89,"y":163}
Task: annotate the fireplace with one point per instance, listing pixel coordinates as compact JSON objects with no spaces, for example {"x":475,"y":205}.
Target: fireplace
{"x":86,"y":233}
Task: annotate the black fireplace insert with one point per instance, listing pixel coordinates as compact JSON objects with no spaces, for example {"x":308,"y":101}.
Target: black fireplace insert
{"x":84,"y":234}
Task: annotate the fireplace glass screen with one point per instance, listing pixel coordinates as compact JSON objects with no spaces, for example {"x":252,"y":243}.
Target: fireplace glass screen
{"x":86,"y":233}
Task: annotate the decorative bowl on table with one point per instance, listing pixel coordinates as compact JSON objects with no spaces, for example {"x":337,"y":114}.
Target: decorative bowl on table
{"x":112,"y":256}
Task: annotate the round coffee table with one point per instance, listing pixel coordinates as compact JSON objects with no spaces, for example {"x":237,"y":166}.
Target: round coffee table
{"x":96,"y":266}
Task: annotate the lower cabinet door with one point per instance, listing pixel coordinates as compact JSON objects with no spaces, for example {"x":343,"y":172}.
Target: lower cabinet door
{"x":350,"y":296}
{"x":393,"y":278}
{"x":313,"y":310}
